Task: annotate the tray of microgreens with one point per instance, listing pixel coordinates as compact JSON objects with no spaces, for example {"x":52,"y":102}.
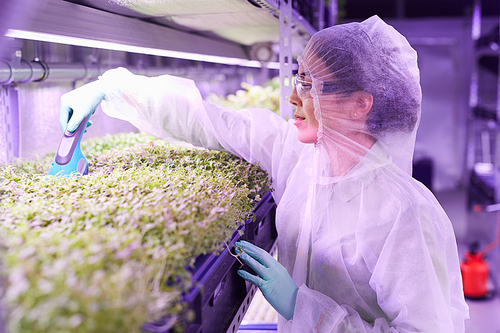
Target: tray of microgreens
{"x":108,"y":251}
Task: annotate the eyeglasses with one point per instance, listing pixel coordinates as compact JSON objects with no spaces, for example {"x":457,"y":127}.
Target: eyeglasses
{"x":303,"y":87}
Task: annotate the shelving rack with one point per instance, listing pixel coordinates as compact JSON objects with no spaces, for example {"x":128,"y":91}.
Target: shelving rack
{"x":209,"y":35}
{"x":243,"y":33}
{"x":220,"y":298}
{"x":483,"y":155}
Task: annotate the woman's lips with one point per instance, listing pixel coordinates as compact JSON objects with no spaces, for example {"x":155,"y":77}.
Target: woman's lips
{"x":298,"y":120}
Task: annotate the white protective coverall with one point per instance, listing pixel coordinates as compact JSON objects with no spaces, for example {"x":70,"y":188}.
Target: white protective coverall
{"x":369,"y":247}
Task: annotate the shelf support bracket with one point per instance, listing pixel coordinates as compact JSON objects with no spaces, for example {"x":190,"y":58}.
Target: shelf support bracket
{"x":285,"y":56}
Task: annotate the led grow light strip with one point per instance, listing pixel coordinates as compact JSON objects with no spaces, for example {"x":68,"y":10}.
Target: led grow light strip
{"x":46,"y":37}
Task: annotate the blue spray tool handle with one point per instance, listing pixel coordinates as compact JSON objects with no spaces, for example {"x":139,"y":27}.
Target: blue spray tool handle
{"x":69,"y":158}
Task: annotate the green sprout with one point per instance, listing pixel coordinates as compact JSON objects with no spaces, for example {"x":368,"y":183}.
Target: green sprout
{"x":108,"y":251}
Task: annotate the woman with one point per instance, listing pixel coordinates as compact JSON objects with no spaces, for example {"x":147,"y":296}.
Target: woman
{"x":362,"y":246}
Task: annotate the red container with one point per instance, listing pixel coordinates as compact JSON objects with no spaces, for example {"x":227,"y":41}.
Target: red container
{"x":474,"y":275}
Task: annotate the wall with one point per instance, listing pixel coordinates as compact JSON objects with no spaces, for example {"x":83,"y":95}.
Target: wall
{"x":445,"y":57}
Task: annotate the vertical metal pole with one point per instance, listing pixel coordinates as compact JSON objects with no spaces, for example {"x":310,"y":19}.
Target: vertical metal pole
{"x":475,"y":34}
{"x":9,"y":124}
{"x":497,"y":150}
{"x":471,"y":126}
{"x":498,"y":76}
{"x":321,"y":14}
{"x":285,"y":56}
{"x":476,"y":20}
{"x":400,"y":9}
{"x":3,"y":129}
{"x":334,"y":11}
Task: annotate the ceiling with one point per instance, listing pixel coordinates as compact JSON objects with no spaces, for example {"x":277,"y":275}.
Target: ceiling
{"x":361,"y":9}
{"x":247,"y":22}
{"x":254,"y":22}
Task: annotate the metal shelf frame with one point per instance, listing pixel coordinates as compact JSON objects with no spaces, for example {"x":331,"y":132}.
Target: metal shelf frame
{"x":483,"y":149}
{"x":81,"y":23}
{"x":65,"y":22}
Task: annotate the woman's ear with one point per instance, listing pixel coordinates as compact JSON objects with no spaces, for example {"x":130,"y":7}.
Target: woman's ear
{"x":363,"y":102}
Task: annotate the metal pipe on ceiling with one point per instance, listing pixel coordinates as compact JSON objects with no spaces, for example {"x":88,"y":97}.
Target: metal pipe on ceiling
{"x":23,"y":71}
{"x":36,"y":71}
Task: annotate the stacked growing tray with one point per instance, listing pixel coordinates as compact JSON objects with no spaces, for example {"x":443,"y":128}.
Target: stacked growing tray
{"x":220,"y":297}
{"x":198,"y":200}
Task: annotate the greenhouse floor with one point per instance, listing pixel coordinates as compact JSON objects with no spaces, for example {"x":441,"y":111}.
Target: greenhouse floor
{"x":484,"y":314}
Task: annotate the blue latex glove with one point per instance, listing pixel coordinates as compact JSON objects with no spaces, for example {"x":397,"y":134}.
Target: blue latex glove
{"x":274,"y":281}
{"x":76,"y":105}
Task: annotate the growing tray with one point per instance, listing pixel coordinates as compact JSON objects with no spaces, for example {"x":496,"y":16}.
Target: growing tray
{"x":220,"y":297}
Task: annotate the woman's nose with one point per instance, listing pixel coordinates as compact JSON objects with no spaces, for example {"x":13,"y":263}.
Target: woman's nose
{"x":294,"y":98}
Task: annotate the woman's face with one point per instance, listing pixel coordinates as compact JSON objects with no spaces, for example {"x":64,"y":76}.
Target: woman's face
{"x":305,"y":120}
